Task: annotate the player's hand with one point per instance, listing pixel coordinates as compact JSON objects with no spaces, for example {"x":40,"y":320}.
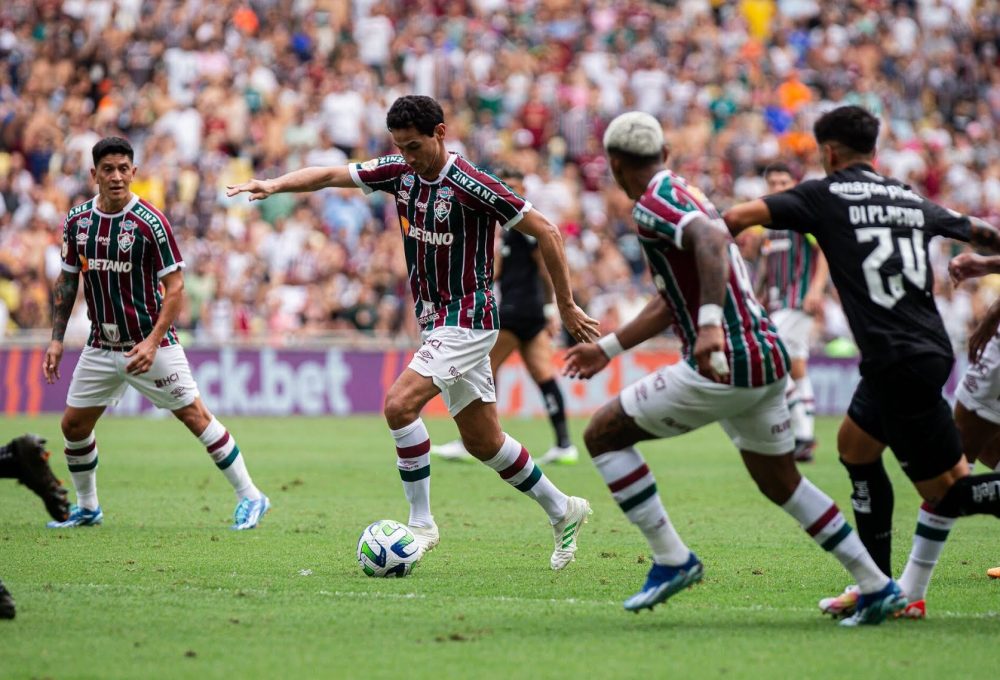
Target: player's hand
{"x":709,"y":353}
{"x":812,"y":303}
{"x":53,"y":356}
{"x":257,"y":188}
{"x":584,"y":361}
{"x":142,"y":356}
{"x":579,"y":326}
{"x":968,"y":266}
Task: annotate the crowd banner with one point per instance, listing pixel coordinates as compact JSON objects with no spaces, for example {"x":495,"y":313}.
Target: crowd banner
{"x":334,"y":382}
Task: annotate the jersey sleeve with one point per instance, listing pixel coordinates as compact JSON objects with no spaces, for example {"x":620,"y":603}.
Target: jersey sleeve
{"x":941,"y":221}
{"x":665,"y":212}
{"x":70,"y":258}
{"x":504,"y":204}
{"x":379,"y":174}
{"x":166,"y":255}
{"x":798,"y":208}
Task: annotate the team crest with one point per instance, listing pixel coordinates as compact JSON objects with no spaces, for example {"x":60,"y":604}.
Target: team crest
{"x":407,"y":180}
{"x":111,"y":332}
{"x":126,"y":237}
{"x":442,"y":203}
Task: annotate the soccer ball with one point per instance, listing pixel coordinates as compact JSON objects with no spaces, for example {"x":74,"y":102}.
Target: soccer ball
{"x":387,"y":548}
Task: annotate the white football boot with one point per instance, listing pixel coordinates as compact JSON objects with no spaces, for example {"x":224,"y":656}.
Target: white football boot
{"x":566,"y":531}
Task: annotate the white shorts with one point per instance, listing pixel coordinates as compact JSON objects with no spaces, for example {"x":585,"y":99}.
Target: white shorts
{"x":677,"y":399}
{"x":458,"y":361}
{"x":100,"y":379}
{"x":979,"y":390}
{"x":795,"y":330}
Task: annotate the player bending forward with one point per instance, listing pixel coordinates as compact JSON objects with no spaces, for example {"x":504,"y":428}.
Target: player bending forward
{"x":734,"y":372}
{"x":874,"y":231}
{"x":525,"y":290}
{"x":126,"y":251}
{"x":448,"y":209}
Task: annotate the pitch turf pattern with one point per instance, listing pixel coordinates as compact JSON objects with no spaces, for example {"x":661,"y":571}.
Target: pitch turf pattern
{"x":164,"y":589}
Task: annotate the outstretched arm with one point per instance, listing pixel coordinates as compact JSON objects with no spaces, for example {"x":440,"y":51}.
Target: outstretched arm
{"x":745,"y":215}
{"x":984,"y":235}
{"x":588,"y":359}
{"x":305,"y":179}
{"x":63,"y":299}
{"x":550,"y":244}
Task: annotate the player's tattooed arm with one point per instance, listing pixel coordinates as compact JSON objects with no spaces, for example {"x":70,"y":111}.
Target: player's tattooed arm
{"x":63,"y":299}
{"x":709,"y":242}
{"x":984,"y":235}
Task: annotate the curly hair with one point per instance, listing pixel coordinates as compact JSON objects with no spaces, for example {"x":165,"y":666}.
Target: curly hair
{"x":415,"y":111}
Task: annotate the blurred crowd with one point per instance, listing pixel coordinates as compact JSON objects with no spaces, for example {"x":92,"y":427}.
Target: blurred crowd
{"x":212,"y":93}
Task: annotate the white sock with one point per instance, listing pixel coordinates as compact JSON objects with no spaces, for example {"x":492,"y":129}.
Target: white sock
{"x":821,"y":518}
{"x":928,"y":542}
{"x":81,"y":457}
{"x":634,"y":489}
{"x":223,"y":450}
{"x":805,"y":428}
{"x":413,"y":458}
{"x":515,"y":466}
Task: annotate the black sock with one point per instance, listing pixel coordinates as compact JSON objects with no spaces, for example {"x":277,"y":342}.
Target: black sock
{"x":553,"y":398}
{"x":872,"y":499}
{"x":979,"y":495}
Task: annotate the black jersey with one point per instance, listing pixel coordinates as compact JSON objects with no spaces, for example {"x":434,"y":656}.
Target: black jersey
{"x":875,"y":232}
{"x":521,"y":293}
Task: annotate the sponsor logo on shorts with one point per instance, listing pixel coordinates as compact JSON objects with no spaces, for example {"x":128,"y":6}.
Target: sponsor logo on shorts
{"x":675,"y":425}
{"x":783,"y":426}
{"x":425,"y":355}
{"x":163,"y":382}
{"x":434,"y":342}
{"x":454,"y":372}
{"x":178,"y":392}
{"x":659,"y":382}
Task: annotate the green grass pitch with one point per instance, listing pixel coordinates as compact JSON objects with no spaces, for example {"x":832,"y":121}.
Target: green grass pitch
{"x":164,"y":589}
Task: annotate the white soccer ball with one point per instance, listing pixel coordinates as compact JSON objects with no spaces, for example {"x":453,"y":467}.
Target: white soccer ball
{"x":387,"y":548}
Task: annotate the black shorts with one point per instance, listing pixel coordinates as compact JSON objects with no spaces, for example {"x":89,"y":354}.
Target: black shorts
{"x":524,"y":327}
{"x":902,"y":406}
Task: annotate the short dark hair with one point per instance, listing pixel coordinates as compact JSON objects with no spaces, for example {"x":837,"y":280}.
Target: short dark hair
{"x":851,"y":126}
{"x":415,"y":111}
{"x":778,"y":166}
{"x":111,"y":145}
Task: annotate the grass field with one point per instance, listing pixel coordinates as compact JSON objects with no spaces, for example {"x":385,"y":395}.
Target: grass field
{"x":164,"y":589}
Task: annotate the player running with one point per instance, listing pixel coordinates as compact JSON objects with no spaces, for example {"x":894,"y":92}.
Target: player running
{"x":525,"y":300}
{"x":733,"y":372}
{"x":448,"y":211}
{"x":794,"y":278}
{"x":874,"y":231}
{"x":127,"y":252}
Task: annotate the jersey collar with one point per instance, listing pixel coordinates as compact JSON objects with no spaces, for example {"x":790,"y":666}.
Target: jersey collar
{"x":128,"y":206}
{"x":444,"y":171}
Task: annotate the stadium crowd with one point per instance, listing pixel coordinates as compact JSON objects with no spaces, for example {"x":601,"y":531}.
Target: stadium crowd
{"x":212,"y":93}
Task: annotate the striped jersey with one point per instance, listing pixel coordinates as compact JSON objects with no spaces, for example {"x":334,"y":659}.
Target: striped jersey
{"x":122,"y":257}
{"x":756,"y":355}
{"x":448,"y":227}
{"x":789,"y":266}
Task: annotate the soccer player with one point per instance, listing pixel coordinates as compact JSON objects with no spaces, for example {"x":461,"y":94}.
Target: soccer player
{"x":733,"y":372}
{"x":448,"y":210}
{"x":794,"y":278}
{"x":26,"y":460}
{"x":525,"y":298}
{"x":874,"y":232}
{"x":126,"y":251}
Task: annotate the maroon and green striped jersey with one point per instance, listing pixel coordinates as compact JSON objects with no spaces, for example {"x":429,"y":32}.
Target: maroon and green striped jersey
{"x":448,"y":227}
{"x":789,"y":266}
{"x":122,"y":257}
{"x":756,"y":355}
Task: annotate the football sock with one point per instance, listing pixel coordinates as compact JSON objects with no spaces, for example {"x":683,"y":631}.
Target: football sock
{"x":413,"y":458}
{"x":928,"y":542}
{"x":634,"y":489}
{"x":872,"y":499}
{"x":223,"y":450}
{"x":81,"y":457}
{"x":515,"y":466}
{"x":804,"y":415}
{"x":822,"y":519}
{"x":979,"y":495}
{"x":555,"y":406}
